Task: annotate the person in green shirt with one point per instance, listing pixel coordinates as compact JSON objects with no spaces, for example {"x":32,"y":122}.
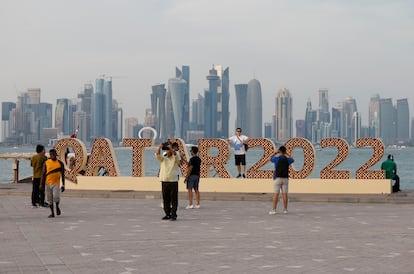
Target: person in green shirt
{"x":390,"y":168}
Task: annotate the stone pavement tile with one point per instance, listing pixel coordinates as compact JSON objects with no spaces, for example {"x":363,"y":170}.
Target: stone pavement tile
{"x":128,"y":236}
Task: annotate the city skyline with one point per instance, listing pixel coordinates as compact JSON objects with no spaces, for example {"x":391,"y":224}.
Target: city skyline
{"x":351,"y":48}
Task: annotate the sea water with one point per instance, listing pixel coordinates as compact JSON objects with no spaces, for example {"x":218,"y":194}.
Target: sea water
{"x":356,"y":158}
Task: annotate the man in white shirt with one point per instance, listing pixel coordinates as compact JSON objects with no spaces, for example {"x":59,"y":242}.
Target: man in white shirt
{"x":239,"y":142}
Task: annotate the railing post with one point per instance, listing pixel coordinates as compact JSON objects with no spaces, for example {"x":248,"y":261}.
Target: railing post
{"x":16,"y":170}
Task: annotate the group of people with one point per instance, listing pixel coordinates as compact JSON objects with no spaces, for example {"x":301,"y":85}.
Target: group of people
{"x":47,"y":177}
{"x":49,"y":173}
{"x":281,"y":160}
{"x":169,"y":173}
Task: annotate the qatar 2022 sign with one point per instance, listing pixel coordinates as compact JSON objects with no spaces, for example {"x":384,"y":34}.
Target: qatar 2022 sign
{"x":102,"y":155}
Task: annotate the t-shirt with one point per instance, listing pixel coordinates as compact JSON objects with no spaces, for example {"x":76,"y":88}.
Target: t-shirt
{"x":195,"y":162}
{"x":390,"y":169}
{"x":168,"y":168}
{"x":275,"y":160}
{"x":238,"y":142}
{"x":37,"y":162}
{"x":53,"y":178}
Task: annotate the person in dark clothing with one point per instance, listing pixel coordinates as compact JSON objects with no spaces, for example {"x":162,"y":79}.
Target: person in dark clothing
{"x":390,"y":168}
{"x":36,"y":162}
{"x":282,"y":161}
{"x":193,"y":178}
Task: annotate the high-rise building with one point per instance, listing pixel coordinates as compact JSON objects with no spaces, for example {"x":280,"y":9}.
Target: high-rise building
{"x":6,"y":117}
{"x":310,"y":120}
{"x":324,"y":115}
{"x":33,"y":96}
{"x":108,"y":110}
{"x":348,"y":108}
{"x":402,"y":121}
{"x":254,"y":127}
{"x":184,"y":74}
{"x":84,"y":118}
{"x":241,"y":107}
{"x":197,"y":114}
{"x":284,"y":118}
{"x":387,"y":126}
{"x":300,"y":128}
{"x":336,"y":120}
{"x":130,"y":123}
{"x":178,"y":90}
{"x":98,"y":108}
{"x":373,"y":116}
{"x":356,"y":128}
{"x":158,"y":107}
{"x":217,"y":103}
{"x":63,"y":116}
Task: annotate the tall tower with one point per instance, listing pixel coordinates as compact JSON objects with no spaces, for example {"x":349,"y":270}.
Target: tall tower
{"x":84,"y":115}
{"x":324,"y":115}
{"x":241,"y":105}
{"x":184,"y":74}
{"x":254,"y":110}
{"x":284,"y":119}
{"x":108,"y":111}
{"x":387,"y":122}
{"x":348,"y":108}
{"x":310,"y":119}
{"x":373,"y":116}
{"x":158,"y":97}
{"x":98,"y":108}
{"x":178,"y":91}
{"x":403,"y":121}
{"x":211,"y":102}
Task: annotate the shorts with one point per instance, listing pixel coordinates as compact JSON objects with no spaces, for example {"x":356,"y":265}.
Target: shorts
{"x":240,"y":159}
{"x":52,"y":194}
{"x":193,"y":182}
{"x":281,"y":184}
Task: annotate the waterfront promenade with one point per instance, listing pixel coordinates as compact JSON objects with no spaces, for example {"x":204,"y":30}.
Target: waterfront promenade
{"x":122,"y":232}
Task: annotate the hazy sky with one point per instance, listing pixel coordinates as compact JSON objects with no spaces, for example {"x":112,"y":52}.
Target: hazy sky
{"x":353,"y":48}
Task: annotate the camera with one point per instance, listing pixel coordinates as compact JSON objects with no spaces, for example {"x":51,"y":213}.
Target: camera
{"x":165,"y":146}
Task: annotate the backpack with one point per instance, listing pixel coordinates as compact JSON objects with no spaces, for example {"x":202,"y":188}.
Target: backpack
{"x":282,"y":167}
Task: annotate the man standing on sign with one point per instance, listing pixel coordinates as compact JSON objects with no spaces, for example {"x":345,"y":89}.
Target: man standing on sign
{"x":240,"y":143}
{"x":282,"y":161}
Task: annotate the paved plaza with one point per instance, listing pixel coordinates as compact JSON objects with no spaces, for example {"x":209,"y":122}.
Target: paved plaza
{"x":110,"y":235}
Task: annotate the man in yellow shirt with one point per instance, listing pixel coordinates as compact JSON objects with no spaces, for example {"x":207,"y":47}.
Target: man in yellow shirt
{"x":169,"y":179}
{"x":53,"y":172}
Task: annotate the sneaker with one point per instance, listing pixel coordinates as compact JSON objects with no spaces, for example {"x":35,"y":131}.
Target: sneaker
{"x":189,"y":207}
{"x":197,"y":206}
{"x":272,"y":212}
{"x":238,"y":176}
{"x":285,"y":211}
{"x":58,"y":211}
{"x":244,"y":176}
{"x":173,"y":218}
{"x":166,"y":217}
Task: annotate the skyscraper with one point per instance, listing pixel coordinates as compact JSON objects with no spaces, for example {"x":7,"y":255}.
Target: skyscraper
{"x":403,"y":121}
{"x":310,"y":119}
{"x":373,"y":116}
{"x":217,"y":103}
{"x":387,"y":121}
{"x":284,"y":119}
{"x":98,"y":109}
{"x":178,"y":90}
{"x":241,"y":107}
{"x":254,"y":127}
{"x":184,"y":74}
{"x":108,"y":111}
{"x":84,"y":115}
{"x":210,"y":109}
{"x":158,"y":107}
{"x":348,"y":108}
{"x":324,"y":115}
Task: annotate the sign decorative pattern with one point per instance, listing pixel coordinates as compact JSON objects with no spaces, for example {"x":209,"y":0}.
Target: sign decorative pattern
{"x":79,"y":149}
{"x":308,"y":154}
{"x":215,"y":153}
{"x":269,"y":150}
{"x":102,"y":156}
{"x":138,"y":155}
{"x":218,"y":162}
